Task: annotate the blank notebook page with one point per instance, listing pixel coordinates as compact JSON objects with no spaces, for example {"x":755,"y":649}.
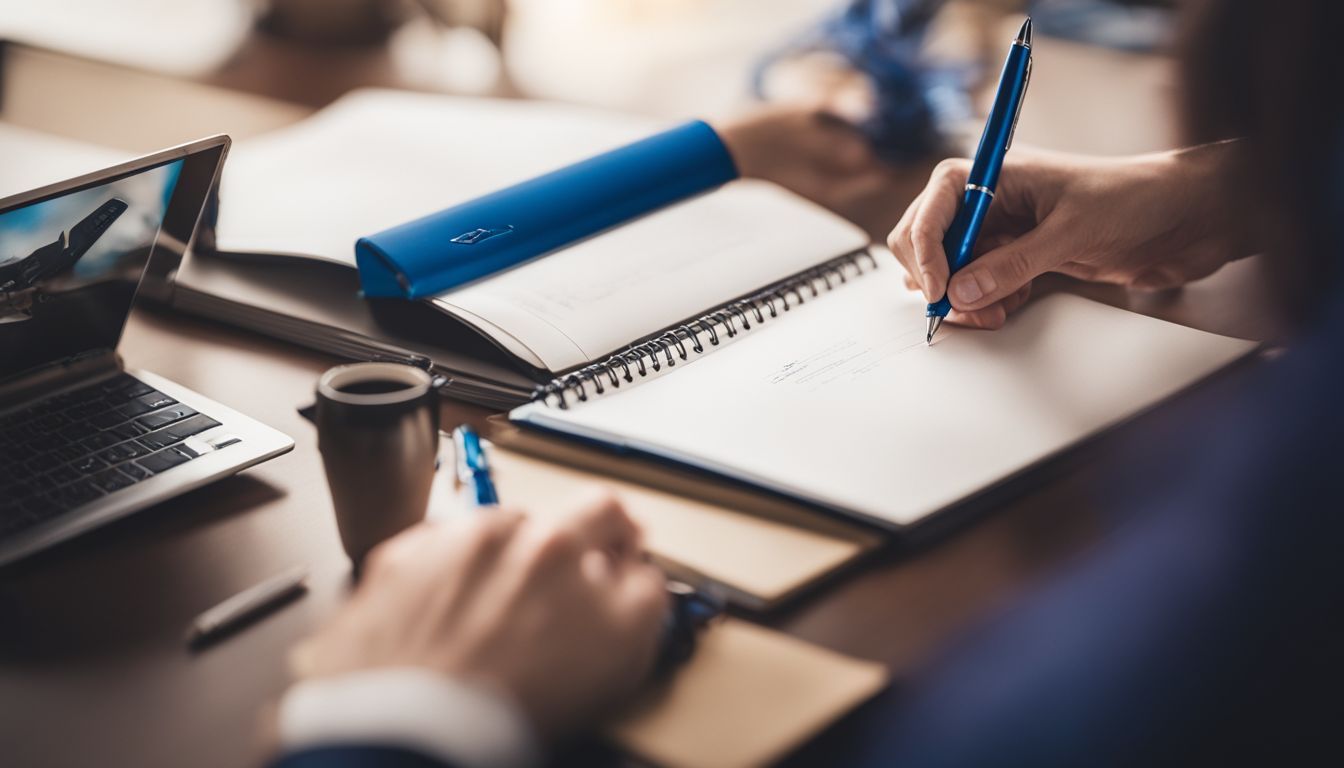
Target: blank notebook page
{"x":839,"y":401}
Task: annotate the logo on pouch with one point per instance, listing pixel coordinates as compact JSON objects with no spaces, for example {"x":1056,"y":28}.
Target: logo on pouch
{"x":480,"y":235}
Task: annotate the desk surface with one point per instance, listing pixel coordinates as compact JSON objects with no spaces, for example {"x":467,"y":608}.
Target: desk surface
{"x":92,"y":665}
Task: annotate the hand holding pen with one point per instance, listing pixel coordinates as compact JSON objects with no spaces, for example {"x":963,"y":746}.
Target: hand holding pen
{"x":1151,"y":221}
{"x":689,"y":610}
{"x":961,"y":226}
{"x":557,"y":622}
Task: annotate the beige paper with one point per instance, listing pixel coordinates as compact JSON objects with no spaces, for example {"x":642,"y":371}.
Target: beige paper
{"x":756,"y":558}
{"x":748,"y":697}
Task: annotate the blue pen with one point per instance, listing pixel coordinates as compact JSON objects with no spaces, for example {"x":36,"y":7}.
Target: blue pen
{"x":690,"y":610}
{"x":473,"y":470}
{"x":959,"y":242}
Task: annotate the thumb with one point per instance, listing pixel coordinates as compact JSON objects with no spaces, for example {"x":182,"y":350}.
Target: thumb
{"x":1003,"y":271}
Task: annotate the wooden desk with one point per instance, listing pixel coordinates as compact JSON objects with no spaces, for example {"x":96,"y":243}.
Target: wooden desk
{"x":92,"y":665}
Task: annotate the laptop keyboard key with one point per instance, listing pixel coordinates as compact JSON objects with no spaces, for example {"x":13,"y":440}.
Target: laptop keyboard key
{"x":165,"y":417}
{"x":164,"y":460}
{"x":69,"y":452}
{"x":112,"y":480}
{"x":98,"y":441}
{"x":89,"y":464}
{"x":107,"y":420}
{"x":17,"y":490}
{"x":192,"y":426}
{"x":43,"y":463}
{"x":138,"y":388}
{"x":64,"y":474}
{"x":40,"y":508}
{"x":128,"y":430}
{"x":160,"y":439}
{"x":80,"y":493}
{"x":133,"y":409}
{"x":135,"y":470}
{"x":122,"y":452}
{"x":156,"y":399}
{"x":44,"y":443}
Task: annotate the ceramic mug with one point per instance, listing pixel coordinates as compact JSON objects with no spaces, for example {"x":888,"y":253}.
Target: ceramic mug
{"x":378,"y":432}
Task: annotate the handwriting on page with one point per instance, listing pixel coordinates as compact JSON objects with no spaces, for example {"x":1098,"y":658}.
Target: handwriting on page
{"x":846,"y":360}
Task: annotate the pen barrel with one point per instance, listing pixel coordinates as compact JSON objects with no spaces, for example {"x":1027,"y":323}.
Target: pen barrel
{"x":1002,"y":118}
{"x":959,"y":242}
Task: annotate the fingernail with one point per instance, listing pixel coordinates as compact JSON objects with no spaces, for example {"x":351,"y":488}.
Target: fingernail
{"x":968,"y":289}
{"x":926,"y":278}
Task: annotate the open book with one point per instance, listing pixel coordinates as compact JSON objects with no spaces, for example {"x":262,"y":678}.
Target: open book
{"x":305,"y":194}
{"x":824,"y":390}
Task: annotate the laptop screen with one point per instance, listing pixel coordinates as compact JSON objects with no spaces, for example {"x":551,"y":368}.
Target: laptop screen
{"x":71,"y":260}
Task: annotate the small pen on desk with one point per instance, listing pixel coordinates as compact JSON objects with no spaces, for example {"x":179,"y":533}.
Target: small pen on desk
{"x":247,"y":604}
{"x":959,"y":242}
{"x":473,"y":469}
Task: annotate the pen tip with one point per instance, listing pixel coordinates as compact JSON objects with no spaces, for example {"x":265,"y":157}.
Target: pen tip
{"x":932,"y":327}
{"x":1024,"y":34}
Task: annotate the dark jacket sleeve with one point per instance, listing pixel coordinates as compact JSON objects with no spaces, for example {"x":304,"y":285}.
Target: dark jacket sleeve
{"x":358,"y":756}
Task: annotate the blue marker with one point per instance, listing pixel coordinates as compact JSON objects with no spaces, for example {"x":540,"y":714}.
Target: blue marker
{"x":959,"y":242}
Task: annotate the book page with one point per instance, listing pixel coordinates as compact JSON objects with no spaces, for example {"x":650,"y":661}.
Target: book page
{"x":841,"y":403}
{"x":580,"y":303}
{"x":378,"y":158}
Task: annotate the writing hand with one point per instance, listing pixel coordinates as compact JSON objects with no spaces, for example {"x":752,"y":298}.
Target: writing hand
{"x":1153,"y":221}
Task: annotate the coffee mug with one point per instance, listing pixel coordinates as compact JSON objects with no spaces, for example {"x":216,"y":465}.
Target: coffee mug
{"x":378,"y":432}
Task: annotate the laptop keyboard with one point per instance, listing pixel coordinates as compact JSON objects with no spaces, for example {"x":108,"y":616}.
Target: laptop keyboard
{"x":72,"y":448}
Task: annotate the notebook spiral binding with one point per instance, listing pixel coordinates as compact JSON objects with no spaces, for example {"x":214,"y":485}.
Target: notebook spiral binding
{"x":685,"y":340}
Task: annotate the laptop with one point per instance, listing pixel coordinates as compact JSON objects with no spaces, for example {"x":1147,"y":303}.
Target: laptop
{"x":83,"y":441}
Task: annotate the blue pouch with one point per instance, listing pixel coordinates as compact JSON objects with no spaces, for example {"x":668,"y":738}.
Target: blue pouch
{"x":492,"y":233}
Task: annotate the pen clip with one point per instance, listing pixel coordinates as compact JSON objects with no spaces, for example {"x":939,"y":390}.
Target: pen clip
{"x":1017,"y":113}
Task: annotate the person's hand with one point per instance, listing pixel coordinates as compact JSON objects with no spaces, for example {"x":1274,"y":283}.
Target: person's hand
{"x":1151,"y":222}
{"x":564,"y":618}
{"x":810,"y":151}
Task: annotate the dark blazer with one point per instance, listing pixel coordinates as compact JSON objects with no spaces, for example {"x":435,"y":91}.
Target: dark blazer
{"x":358,"y":756}
{"x":1207,"y":627}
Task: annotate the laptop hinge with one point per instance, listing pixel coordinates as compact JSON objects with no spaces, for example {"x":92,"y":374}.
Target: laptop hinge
{"x":54,"y":377}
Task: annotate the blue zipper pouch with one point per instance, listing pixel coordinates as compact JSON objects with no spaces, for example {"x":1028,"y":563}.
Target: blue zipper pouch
{"x":480,"y":237}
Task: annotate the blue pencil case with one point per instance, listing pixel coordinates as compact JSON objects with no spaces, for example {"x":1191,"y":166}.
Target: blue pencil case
{"x":492,"y":233}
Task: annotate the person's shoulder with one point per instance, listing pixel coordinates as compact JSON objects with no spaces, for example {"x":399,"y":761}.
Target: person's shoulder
{"x":357,"y":756}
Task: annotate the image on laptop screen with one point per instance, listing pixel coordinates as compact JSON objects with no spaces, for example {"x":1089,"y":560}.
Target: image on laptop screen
{"x":70,"y":265}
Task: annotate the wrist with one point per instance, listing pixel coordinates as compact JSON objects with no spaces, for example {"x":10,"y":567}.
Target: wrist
{"x":1209,"y":186}
{"x":463,"y":723}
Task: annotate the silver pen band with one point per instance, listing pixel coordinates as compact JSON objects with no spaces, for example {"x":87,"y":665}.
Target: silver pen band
{"x":978,"y":188}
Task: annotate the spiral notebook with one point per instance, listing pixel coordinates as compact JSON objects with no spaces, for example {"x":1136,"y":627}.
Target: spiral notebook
{"x":821,"y":387}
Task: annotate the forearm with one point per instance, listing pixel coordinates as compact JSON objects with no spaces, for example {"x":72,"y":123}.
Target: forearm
{"x":1215,"y":193}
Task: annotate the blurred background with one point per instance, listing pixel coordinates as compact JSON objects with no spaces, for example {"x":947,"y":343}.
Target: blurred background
{"x":102,"y":71}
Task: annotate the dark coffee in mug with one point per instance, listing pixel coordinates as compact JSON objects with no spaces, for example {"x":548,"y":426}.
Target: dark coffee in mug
{"x":378,"y":431}
{"x":373,"y":387}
